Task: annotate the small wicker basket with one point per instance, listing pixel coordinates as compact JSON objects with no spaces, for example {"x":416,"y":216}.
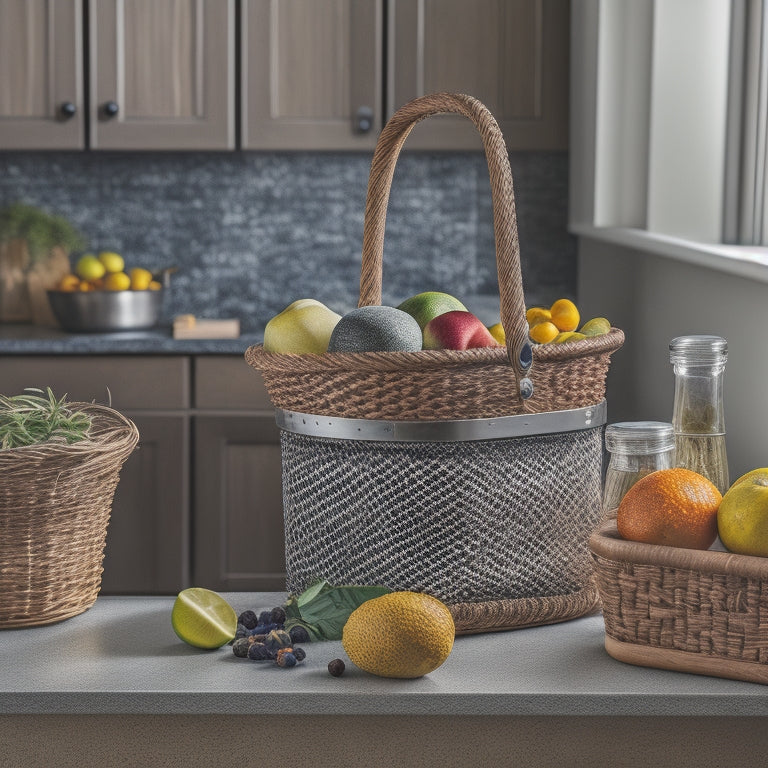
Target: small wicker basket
{"x":55,"y":503}
{"x":699,"y":611}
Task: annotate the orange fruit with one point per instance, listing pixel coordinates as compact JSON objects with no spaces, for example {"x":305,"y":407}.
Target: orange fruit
{"x":565,"y":315}
{"x":69,"y":283}
{"x":674,"y":507}
{"x":543,"y":333}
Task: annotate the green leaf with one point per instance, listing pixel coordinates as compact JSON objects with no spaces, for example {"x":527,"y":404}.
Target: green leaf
{"x":311,"y":592}
{"x":324,"y":609}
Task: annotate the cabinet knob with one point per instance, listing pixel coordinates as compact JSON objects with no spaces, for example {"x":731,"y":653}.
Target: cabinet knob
{"x":67,"y":110}
{"x":363,"y":121}
{"x":110,"y":108}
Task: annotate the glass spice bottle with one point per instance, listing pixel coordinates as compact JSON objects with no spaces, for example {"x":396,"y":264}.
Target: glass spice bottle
{"x":636,"y":449}
{"x":697,"y":415}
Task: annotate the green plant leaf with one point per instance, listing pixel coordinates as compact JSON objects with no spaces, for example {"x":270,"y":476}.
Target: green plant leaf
{"x":324,"y":609}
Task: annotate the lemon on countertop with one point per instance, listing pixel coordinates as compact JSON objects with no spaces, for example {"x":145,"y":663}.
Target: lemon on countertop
{"x":400,"y":634}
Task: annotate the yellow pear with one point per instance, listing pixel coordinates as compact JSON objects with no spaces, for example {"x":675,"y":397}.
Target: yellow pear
{"x":303,"y":327}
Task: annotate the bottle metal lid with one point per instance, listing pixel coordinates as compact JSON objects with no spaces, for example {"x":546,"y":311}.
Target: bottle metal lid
{"x":702,"y":349}
{"x":639,"y":437}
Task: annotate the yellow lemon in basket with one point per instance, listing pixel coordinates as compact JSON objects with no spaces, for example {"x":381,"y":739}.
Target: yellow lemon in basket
{"x":565,"y":315}
{"x":543,"y":333}
{"x":742,"y":519}
{"x":497,"y":331}
{"x":400,"y":634}
{"x":536,"y":315}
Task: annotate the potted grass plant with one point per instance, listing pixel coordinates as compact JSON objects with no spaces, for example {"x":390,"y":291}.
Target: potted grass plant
{"x":60,"y":463}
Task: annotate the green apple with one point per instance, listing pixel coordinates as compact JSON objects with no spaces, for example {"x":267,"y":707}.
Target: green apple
{"x":424,"y":306}
{"x":303,"y":327}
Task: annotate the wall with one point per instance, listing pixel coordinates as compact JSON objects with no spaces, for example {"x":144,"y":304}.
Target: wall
{"x":653,"y":299}
{"x":251,"y":232}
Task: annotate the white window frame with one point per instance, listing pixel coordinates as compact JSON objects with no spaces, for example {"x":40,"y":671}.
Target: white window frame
{"x":651,"y":155}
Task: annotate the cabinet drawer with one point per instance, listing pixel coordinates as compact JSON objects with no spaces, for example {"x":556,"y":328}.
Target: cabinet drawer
{"x":229,"y":382}
{"x":142,"y":383}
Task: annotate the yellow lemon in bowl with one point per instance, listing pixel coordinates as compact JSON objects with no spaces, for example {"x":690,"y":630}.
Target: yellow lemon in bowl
{"x":113,"y":262}
{"x":140,"y":279}
{"x":117,"y":281}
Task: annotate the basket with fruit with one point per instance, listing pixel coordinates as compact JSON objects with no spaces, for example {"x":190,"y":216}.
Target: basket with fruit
{"x":671,"y":598}
{"x":422,"y":450}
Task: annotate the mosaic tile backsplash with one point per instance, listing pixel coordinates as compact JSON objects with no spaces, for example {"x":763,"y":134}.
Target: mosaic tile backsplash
{"x":251,"y":232}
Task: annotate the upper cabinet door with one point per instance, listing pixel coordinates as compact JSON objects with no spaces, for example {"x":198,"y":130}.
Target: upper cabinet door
{"x":510,"y":54}
{"x":311,"y":74}
{"x":162,"y":74}
{"x":41,"y":99}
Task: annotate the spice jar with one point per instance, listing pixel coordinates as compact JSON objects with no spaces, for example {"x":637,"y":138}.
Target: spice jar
{"x":697,"y":416}
{"x":636,"y":449}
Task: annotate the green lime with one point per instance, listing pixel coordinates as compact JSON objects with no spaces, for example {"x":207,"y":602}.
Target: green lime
{"x":203,"y":618}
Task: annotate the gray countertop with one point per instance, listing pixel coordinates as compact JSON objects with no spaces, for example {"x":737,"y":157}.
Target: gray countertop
{"x":122,"y":657}
{"x":25,"y":339}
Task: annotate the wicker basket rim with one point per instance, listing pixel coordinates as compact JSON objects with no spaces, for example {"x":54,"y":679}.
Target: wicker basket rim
{"x":607,"y":543}
{"x":112,"y":432}
{"x":258,"y":358}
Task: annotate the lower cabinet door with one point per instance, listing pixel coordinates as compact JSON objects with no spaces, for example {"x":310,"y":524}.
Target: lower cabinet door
{"x":238,"y":510}
{"x":147,"y":550}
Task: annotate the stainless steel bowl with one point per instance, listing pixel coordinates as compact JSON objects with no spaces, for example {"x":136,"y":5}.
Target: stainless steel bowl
{"x":106,"y":311}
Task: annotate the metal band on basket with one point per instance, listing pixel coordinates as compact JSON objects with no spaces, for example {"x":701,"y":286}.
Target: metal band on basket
{"x":457,"y":430}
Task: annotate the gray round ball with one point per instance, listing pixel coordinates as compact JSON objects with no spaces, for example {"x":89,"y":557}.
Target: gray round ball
{"x":376,"y":329}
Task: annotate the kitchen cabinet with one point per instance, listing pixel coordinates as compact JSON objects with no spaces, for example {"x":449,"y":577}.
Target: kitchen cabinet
{"x":200,"y":499}
{"x":308,"y":74}
{"x":238,"y":510}
{"x":162,"y":74}
{"x":311,"y":74}
{"x":41,"y":65}
{"x":510,"y":54}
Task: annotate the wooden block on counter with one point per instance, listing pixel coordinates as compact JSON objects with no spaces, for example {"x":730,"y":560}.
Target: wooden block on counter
{"x":191,"y":327}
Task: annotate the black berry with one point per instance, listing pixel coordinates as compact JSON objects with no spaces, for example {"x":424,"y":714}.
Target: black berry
{"x":248,"y":619}
{"x":336,"y":667}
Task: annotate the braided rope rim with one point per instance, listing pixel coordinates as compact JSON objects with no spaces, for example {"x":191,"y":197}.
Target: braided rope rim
{"x":501,"y":615}
{"x":427,"y":359}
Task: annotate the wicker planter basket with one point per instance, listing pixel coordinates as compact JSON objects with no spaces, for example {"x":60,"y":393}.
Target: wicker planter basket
{"x":436,"y":513}
{"x":687,"y":610}
{"x":55,"y":503}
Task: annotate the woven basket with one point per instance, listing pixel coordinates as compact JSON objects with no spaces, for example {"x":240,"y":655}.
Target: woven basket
{"x":704,"y":612}
{"x":55,"y":502}
{"x":454,"y":521}
{"x":442,"y":384}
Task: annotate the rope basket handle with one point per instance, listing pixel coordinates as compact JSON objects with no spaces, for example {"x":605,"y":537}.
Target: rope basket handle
{"x":390,"y":142}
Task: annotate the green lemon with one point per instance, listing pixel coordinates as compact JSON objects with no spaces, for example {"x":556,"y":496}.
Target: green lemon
{"x":89,"y":267}
{"x":203,"y":618}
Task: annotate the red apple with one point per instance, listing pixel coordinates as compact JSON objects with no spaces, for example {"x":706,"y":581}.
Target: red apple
{"x":457,"y":330}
